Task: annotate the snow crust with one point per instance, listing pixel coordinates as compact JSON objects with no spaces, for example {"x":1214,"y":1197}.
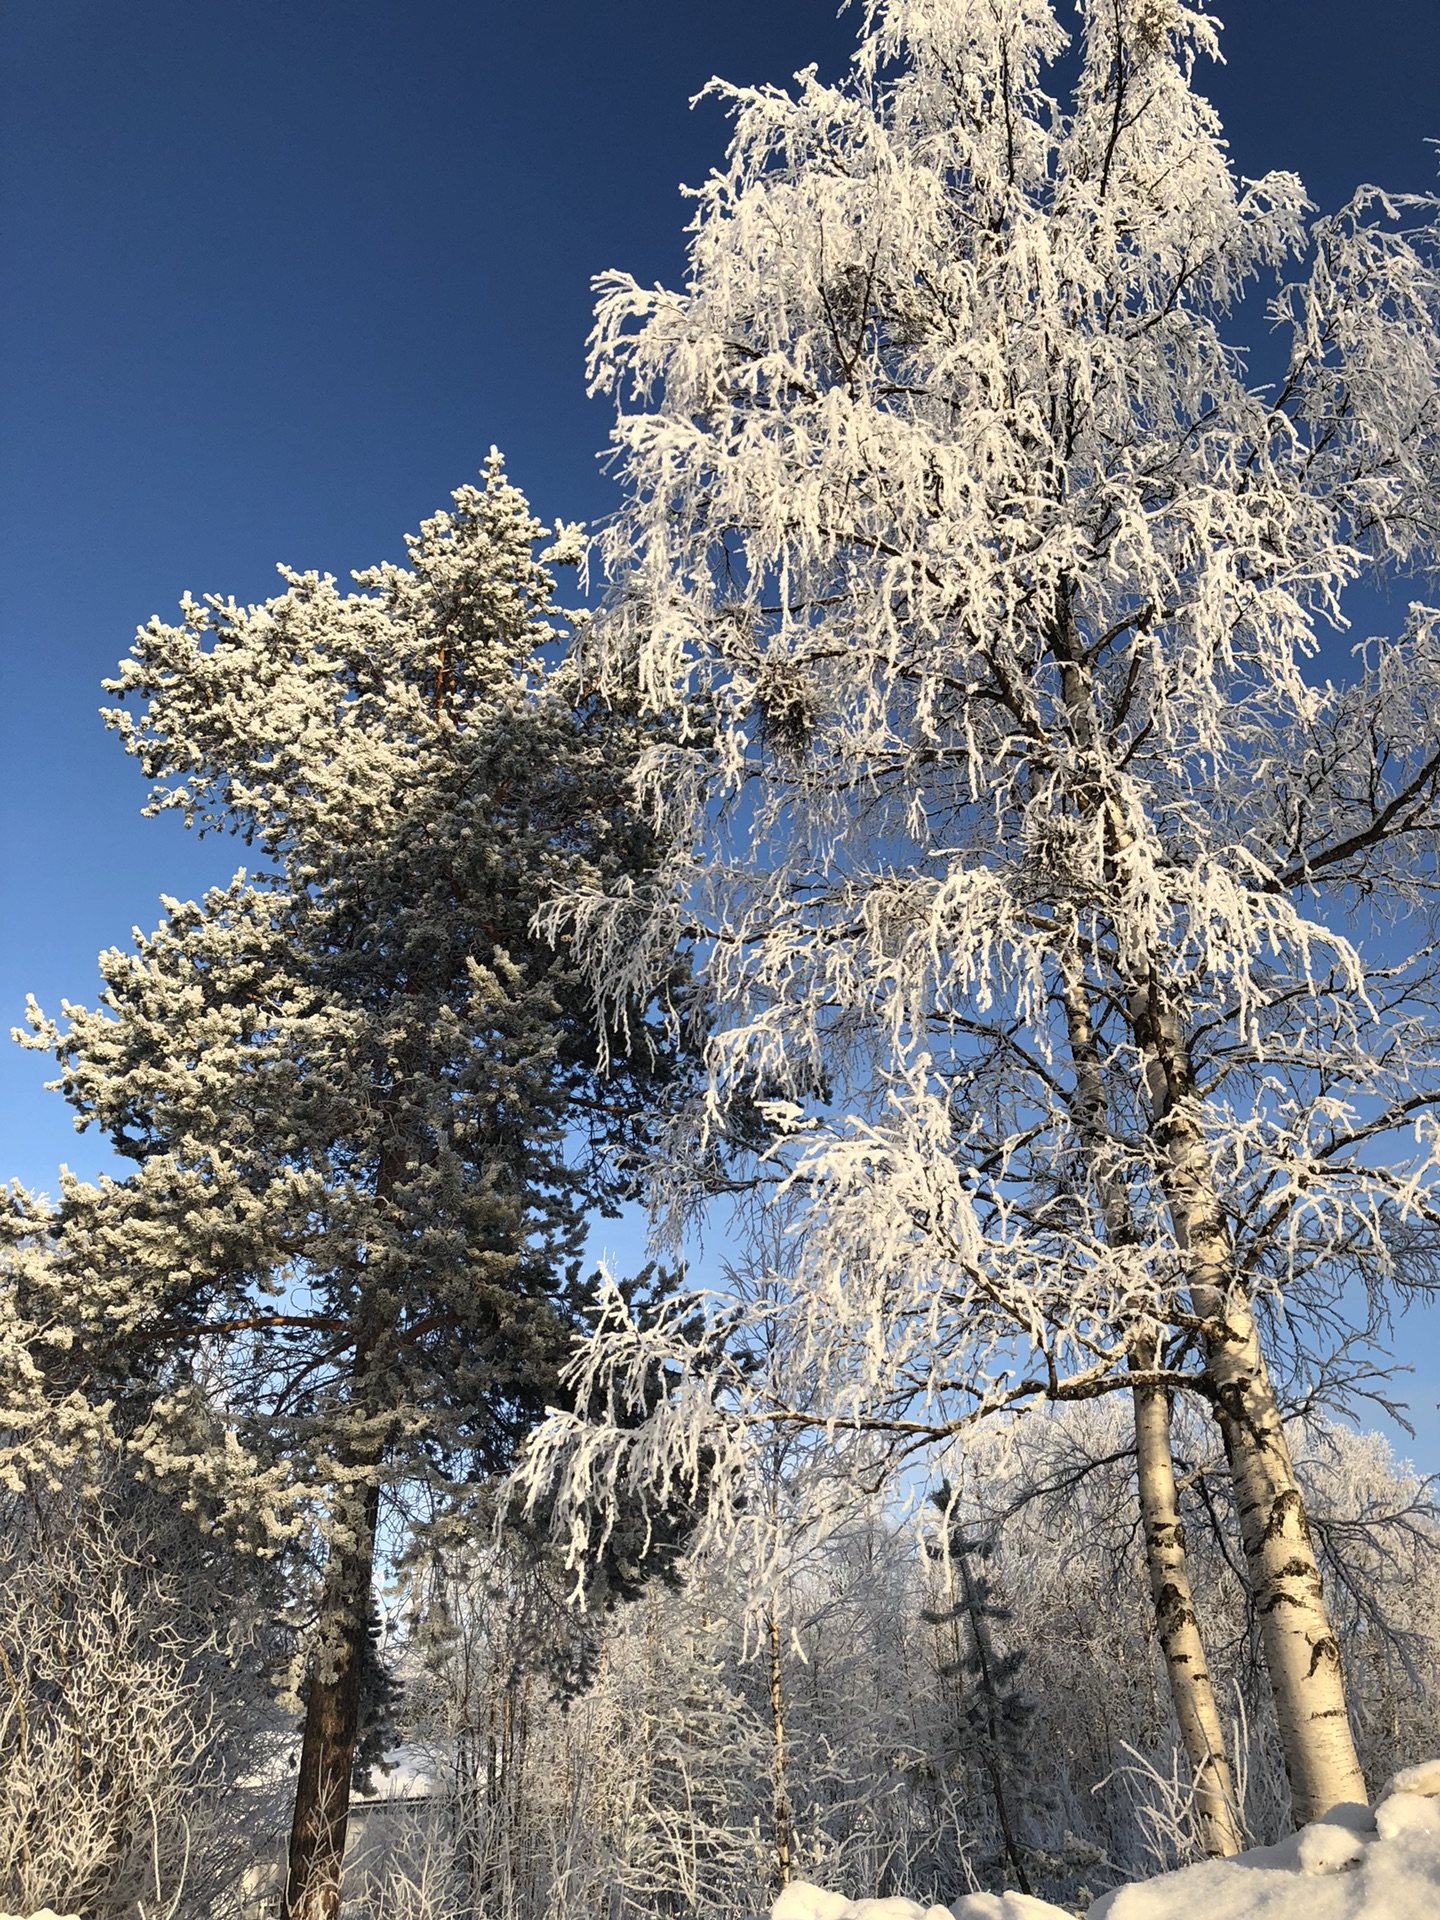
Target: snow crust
{"x":1002,"y":1906}
{"x":1354,"y":1864}
{"x":1423,"y":1780}
{"x":802,"y":1901}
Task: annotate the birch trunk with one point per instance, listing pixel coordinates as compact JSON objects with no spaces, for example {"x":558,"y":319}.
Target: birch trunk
{"x":781,"y":1795}
{"x":1177,"y":1624}
{"x":1178,"y":1627}
{"x":332,"y":1714}
{"x":1302,"y":1654}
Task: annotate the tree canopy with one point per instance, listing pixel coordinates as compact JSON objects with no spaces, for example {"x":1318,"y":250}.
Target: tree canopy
{"x":1040,"y":882}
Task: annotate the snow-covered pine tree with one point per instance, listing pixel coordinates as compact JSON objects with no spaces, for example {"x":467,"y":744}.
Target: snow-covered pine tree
{"x":364,"y":1103}
{"x":994,"y":584}
{"x":55,"y":1427}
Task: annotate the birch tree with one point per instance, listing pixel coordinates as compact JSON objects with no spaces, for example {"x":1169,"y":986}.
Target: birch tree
{"x":361,"y":1099}
{"x":1048,"y":895}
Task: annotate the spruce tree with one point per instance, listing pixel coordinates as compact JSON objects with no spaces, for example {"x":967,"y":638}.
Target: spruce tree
{"x":366,"y":1107}
{"x":995,"y":1715}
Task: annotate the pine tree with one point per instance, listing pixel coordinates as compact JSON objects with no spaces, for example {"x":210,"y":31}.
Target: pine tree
{"x":992,"y":583}
{"x":366,"y":1105}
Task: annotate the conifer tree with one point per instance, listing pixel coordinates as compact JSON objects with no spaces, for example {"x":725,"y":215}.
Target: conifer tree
{"x":1031,"y":862}
{"x":364,"y":1103}
{"x":995,"y":1717}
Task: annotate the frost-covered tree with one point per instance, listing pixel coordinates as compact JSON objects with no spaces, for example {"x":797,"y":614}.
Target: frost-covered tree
{"x":363,"y":1101}
{"x":138,"y":1651}
{"x":995,"y":1716}
{"x":136,"y":1699}
{"x":1042,"y":886}
{"x":651,"y":1791}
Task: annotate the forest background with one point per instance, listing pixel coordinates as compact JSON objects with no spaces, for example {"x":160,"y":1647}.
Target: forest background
{"x":276,"y":277}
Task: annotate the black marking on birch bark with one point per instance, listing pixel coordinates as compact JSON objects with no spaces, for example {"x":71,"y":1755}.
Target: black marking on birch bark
{"x":1285,"y":1504}
{"x":1284,"y":1600}
{"x":1297,"y":1569}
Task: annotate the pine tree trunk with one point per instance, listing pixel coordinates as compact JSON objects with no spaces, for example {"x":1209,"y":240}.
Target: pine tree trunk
{"x":1177,"y":1625}
{"x":1302,"y":1654}
{"x":332,"y":1714}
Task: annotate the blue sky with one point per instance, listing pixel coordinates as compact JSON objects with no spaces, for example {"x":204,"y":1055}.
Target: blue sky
{"x":274,"y":274}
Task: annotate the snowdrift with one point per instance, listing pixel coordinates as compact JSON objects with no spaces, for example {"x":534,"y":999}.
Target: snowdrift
{"x":1355,"y":1864}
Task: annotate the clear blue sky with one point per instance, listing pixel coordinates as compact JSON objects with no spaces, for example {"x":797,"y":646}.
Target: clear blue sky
{"x":275,"y":273}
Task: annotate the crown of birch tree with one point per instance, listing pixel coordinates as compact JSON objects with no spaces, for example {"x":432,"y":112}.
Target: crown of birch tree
{"x":1035,"y":873}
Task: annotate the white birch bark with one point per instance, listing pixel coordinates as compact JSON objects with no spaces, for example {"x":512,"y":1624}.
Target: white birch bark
{"x":1177,"y":1624}
{"x":780,"y":1790}
{"x":1302,"y":1654}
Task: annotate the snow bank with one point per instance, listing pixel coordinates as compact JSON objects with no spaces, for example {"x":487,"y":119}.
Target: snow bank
{"x":801,"y":1901}
{"x":1352,"y":1865}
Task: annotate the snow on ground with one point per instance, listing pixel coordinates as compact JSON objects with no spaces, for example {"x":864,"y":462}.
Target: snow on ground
{"x":801,"y":1901}
{"x":1354,"y":1864}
